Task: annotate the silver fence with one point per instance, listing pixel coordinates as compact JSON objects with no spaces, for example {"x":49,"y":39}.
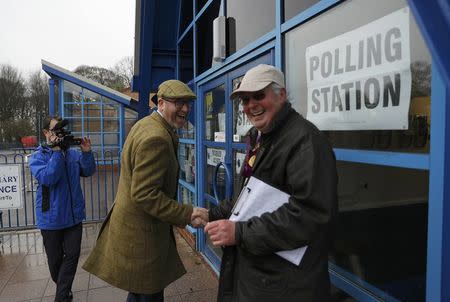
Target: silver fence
{"x":99,"y":191}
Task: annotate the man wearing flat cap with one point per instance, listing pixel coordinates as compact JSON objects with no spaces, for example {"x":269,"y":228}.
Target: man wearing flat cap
{"x":136,"y":249}
{"x":289,"y":153}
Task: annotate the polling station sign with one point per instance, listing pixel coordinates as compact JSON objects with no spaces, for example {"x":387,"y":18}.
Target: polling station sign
{"x":361,"y":80}
{"x":10,"y":186}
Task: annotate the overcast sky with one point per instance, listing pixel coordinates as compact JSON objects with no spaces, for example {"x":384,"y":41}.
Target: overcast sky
{"x":67,"y":33}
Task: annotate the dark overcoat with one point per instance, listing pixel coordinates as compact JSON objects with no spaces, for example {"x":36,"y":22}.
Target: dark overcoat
{"x":296,"y":158}
{"x":136,"y":249}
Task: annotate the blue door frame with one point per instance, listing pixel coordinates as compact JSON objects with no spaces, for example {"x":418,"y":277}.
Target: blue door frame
{"x":226,"y":80}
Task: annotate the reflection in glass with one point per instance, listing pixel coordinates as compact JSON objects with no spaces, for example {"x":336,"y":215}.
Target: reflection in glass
{"x":247,"y":21}
{"x":238,"y":161}
{"x":214,"y":101}
{"x":92,"y":110}
{"x":186,"y":158}
{"x":92,"y":125}
{"x":241,"y":124}
{"x":71,"y":110}
{"x":347,"y":17}
{"x":110,"y":125}
{"x":111,"y":139}
{"x":72,"y":92}
{"x":381,"y":235}
{"x":294,"y":7}
{"x":216,"y":249}
{"x":213,"y":157}
{"x":187,"y":197}
{"x":110,"y":110}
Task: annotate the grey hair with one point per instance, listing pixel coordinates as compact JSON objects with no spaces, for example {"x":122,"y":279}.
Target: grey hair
{"x":277,"y":88}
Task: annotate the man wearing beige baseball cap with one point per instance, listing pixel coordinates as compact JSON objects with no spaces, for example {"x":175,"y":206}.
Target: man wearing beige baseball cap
{"x":136,"y":249}
{"x":289,"y":153}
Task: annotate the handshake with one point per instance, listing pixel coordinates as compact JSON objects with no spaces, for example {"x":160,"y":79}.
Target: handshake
{"x":199,"y":217}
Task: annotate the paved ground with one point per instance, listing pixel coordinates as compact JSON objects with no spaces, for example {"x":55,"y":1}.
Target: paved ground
{"x":24,"y":274}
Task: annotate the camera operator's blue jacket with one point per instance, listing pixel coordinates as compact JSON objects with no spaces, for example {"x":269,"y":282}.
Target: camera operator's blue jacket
{"x":59,"y":200}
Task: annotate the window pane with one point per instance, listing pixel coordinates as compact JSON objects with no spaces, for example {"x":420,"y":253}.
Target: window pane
{"x":294,"y":7}
{"x":238,"y":161}
{"x":188,"y":129}
{"x":213,"y":157}
{"x":111,"y":139}
{"x":186,"y":158}
{"x":71,"y":110}
{"x":92,"y":125}
{"x":241,"y":124}
{"x":92,"y":110}
{"x":72,"y":92}
{"x":130,"y":113}
{"x":110,"y":110}
{"x":187,"y":197}
{"x":216,"y":249}
{"x":90,"y":96}
{"x":110,"y":125}
{"x":381,"y":234}
{"x":205,"y":37}
{"x":186,"y":72}
{"x":372,"y":79}
{"x":247,"y":21}
{"x":214,"y":102}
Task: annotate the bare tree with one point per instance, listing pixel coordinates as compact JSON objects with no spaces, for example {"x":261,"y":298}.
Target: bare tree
{"x":38,"y":94}
{"x":124,"y":68}
{"x":101,"y":75}
{"x":14,"y":105}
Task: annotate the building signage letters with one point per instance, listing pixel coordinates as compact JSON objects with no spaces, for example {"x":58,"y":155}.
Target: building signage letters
{"x":361,"y":80}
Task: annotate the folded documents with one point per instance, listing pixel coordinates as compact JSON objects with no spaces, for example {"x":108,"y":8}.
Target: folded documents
{"x":257,"y":198}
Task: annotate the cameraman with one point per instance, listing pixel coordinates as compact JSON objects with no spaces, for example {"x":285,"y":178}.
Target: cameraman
{"x":60,"y":205}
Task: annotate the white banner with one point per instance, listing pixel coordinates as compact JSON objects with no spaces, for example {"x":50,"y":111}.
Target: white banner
{"x":361,"y":80}
{"x":11,"y":188}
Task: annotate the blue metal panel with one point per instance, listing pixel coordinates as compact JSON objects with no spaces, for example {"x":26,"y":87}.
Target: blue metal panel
{"x":187,"y":141}
{"x":51,"y":92}
{"x":145,"y":53}
{"x":394,"y":159}
{"x":187,"y":185}
{"x":438,"y":207}
{"x":279,"y":9}
{"x":433,"y":18}
{"x":61,"y":97}
{"x":121,"y":126}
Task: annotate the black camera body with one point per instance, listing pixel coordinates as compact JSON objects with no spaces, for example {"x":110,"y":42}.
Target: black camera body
{"x":64,"y":137}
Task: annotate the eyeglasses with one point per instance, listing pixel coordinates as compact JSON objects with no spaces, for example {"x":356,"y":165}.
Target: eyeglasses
{"x":257,"y":96}
{"x":180,"y":103}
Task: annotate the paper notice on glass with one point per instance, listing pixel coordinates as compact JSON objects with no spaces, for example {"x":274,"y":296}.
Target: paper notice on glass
{"x":257,"y":198}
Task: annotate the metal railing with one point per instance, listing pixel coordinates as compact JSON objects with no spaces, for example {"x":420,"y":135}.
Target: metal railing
{"x":99,"y":191}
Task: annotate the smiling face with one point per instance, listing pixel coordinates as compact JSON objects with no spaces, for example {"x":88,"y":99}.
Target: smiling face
{"x":176,"y":116}
{"x":262,"y":106}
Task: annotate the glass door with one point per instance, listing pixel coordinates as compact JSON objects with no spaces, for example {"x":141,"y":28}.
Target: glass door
{"x":221,"y":141}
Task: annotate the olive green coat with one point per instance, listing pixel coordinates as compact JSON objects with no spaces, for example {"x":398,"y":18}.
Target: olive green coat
{"x":136,"y":249}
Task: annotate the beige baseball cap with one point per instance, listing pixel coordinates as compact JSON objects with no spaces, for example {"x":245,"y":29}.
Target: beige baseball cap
{"x":174,"y":89}
{"x":258,"y":78}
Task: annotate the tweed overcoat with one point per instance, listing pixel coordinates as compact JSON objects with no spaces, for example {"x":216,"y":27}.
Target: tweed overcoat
{"x":136,"y":249}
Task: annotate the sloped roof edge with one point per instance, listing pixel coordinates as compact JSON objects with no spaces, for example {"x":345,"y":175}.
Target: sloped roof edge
{"x":54,"y":70}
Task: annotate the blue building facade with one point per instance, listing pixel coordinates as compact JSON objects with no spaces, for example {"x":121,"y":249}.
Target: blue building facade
{"x":373,"y":75}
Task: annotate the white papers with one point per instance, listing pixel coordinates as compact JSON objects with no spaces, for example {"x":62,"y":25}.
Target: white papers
{"x":257,"y":198}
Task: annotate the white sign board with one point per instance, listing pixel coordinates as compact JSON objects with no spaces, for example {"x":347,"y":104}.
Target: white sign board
{"x":214,"y":156}
{"x":11,"y":188}
{"x":361,"y":80}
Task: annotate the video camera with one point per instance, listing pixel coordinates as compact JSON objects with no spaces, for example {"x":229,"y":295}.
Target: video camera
{"x":65,"y":138}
